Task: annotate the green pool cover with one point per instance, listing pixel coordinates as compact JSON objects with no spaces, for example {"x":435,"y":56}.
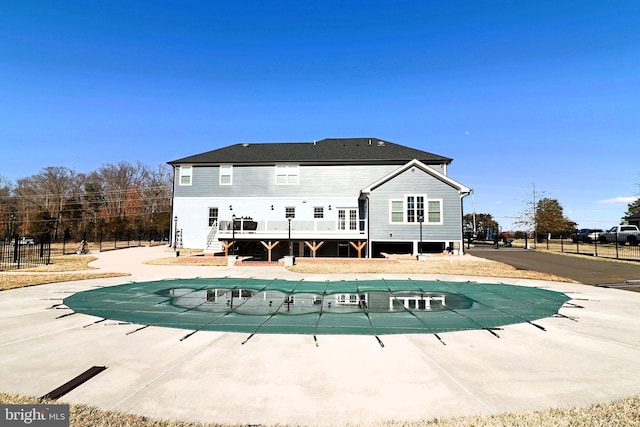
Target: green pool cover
{"x":363,"y":307}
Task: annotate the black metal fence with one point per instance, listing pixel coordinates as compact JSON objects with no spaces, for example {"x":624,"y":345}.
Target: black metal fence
{"x":24,"y":252}
{"x":617,"y":250}
{"x":99,"y":242}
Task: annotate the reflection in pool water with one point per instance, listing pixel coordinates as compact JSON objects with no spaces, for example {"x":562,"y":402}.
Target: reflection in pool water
{"x":254,"y":302}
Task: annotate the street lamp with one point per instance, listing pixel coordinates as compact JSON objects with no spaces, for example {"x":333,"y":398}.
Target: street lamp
{"x":12,"y":225}
{"x":175,"y":232}
{"x":290,"y":247}
{"x":233,"y":234}
{"x":420,"y":220}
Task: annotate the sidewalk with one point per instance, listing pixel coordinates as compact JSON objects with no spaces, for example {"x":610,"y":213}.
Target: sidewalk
{"x":587,"y":357}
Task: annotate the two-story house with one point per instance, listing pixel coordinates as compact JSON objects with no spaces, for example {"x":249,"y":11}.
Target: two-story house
{"x":352,"y":197}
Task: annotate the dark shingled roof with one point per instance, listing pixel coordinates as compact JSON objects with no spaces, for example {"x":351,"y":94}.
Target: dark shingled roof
{"x":331,"y":150}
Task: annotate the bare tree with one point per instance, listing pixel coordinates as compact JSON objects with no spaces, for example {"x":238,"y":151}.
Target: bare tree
{"x":116,"y":197}
{"x":8,"y":208}
{"x":46,"y":192}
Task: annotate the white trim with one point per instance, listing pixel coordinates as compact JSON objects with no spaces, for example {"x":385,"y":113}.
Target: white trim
{"x":417,"y":163}
{"x":391,"y":221}
{"x":181,"y":175}
{"x":425,"y":210}
{"x":290,"y":171}
{"x":347,"y":219}
{"x":230,"y":174}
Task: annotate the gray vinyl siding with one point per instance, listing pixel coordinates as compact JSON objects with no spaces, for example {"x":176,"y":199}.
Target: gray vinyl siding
{"x":259,"y":181}
{"x":417,"y":182}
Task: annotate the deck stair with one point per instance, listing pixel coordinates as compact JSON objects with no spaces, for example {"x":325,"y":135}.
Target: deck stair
{"x":213,"y":244}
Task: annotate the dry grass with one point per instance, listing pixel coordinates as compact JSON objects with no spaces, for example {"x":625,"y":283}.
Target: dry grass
{"x":464,"y":265}
{"x":84,"y":415}
{"x":625,"y":412}
{"x":61,"y":269}
{"x":64,"y":263}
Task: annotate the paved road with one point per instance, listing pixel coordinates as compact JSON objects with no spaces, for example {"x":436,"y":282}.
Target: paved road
{"x":590,"y":271}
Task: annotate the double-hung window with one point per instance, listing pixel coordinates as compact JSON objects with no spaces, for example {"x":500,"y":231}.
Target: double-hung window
{"x":287,"y":174}
{"x":226,"y":174}
{"x":434,"y":211}
{"x":186,"y":173}
{"x":397,"y":211}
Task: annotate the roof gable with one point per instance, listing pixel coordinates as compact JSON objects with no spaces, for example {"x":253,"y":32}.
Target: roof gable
{"x":416,"y":163}
{"x":331,"y":150}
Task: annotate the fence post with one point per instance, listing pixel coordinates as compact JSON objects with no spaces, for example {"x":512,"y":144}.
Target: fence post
{"x":616,"y":245}
{"x":595,"y":245}
{"x":16,"y":250}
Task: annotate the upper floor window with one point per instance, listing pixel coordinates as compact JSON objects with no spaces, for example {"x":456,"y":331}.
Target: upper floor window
{"x":186,"y":173}
{"x":226,"y":174}
{"x":287,"y":174}
{"x":318,"y":212}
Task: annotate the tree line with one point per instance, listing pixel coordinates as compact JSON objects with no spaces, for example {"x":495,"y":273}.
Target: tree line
{"x":115,"y":199}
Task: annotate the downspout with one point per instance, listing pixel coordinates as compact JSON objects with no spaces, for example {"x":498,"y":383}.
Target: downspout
{"x":368,"y":228}
{"x":173,"y":207}
{"x":366,"y":212}
{"x":462,"y":196}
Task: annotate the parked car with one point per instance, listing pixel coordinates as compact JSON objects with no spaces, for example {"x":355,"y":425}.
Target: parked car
{"x":24,"y":241}
{"x":586,"y":235}
{"x":621,"y":234}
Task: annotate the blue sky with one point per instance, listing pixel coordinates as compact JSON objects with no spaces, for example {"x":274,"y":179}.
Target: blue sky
{"x":542,"y":94}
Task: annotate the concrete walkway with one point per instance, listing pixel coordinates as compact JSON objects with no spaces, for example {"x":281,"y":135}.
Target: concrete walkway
{"x":589,"y":356}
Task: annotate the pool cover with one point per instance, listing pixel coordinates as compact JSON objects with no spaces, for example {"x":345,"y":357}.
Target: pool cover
{"x":363,"y":307}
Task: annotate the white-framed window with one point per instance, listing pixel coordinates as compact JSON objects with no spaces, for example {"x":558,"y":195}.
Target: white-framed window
{"x":290,"y":212}
{"x":434,"y":212}
{"x":415,"y":207}
{"x":186,"y":175}
{"x":287,"y":174}
{"x":347,"y":219}
{"x":226,"y":174}
{"x":213,"y":216}
{"x":396,"y":211}
{"x":318,"y":212}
